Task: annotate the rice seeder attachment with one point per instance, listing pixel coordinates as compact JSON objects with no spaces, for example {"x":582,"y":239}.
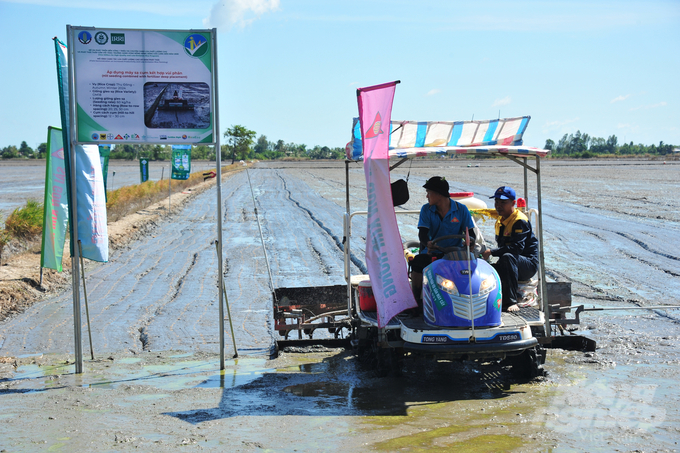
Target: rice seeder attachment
{"x":300,"y":313}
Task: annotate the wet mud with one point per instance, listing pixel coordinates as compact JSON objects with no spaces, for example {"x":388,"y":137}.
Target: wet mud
{"x":156,"y":383}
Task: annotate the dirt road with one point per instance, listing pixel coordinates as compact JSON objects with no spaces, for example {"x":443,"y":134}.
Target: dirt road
{"x":156,"y":383}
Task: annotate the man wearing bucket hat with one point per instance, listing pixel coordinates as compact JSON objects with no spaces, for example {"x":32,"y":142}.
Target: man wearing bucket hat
{"x":440,"y":216}
{"x":517,"y":249}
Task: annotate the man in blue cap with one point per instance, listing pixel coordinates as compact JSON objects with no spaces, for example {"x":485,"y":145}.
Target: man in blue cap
{"x":517,"y":249}
{"x":440,"y":216}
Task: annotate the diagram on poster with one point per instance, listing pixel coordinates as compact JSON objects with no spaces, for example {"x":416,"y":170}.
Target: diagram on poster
{"x":137,"y":86}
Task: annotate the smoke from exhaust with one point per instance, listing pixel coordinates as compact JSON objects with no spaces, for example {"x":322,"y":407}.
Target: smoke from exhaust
{"x":230,"y":13}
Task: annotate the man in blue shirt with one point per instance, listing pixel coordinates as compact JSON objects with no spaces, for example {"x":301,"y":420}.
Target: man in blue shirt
{"x":441,"y":216}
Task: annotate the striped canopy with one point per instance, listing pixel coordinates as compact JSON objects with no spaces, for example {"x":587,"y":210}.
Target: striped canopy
{"x":421,"y":138}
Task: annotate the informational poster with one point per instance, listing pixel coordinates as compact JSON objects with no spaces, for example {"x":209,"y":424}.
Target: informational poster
{"x":143,"y":86}
{"x":143,"y":170}
{"x":181,"y":161}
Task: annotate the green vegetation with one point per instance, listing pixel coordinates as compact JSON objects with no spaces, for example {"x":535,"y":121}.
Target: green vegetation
{"x":241,"y":145}
{"x":25,"y":222}
{"x":129,"y":199}
{"x":580,"y":145}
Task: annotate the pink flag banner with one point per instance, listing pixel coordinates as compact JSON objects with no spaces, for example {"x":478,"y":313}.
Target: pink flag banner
{"x":384,"y":251}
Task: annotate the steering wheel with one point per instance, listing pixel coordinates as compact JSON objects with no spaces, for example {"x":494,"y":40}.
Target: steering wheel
{"x":450,"y":236}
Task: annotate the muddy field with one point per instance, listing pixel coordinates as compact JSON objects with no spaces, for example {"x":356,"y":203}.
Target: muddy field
{"x":22,"y":179}
{"x":611,"y":228}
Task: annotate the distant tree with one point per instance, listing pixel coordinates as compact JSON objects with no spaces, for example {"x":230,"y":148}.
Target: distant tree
{"x":42,"y":151}
{"x":612,"y":144}
{"x":25,"y":150}
{"x":239,"y":140}
{"x":262,"y":145}
{"x":10,"y":152}
{"x":549,"y":145}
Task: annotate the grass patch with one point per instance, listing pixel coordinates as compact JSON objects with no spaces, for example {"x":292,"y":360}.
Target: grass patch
{"x":25,"y":222}
{"x":129,"y":199}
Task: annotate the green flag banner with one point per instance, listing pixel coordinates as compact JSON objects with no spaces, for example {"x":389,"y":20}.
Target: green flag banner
{"x":181,"y":161}
{"x":144,"y":169}
{"x":104,"y":153}
{"x":55,"y":218}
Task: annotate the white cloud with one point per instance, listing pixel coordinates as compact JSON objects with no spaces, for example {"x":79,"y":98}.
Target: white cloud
{"x":500,"y":102}
{"x":623,"y":126}
{"x":433,"y":91}
{"x":552,"y":124}
{"x":620,"y":98}
{"x":227,"y":13}
{"x":647,"y":107}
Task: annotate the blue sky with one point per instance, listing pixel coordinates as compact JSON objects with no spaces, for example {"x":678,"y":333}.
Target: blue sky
{"x":289,"y":69}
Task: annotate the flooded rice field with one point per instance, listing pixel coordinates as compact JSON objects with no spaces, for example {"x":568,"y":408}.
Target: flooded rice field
{"x":611,"y":228}
{"x":23,"y":179}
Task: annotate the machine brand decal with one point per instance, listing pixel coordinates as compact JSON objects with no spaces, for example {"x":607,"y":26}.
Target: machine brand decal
{"x":445,"y":339}
{"x":436,"y":339}
{"x":438,"y":300}
{"x":465,"y":271}
{"x":509,"y":337}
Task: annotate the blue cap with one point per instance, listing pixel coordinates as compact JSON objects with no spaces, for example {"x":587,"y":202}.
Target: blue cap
{"x":505,"y":193}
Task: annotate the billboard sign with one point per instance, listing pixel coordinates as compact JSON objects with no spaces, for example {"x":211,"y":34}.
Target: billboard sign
{"x":143,"y":86}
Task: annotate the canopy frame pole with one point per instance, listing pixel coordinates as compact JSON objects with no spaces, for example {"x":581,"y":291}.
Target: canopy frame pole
{"x":526,"y":186}
{"x":545,"y":306}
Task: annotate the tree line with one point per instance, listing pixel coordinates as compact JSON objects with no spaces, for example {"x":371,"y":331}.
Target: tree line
{"x":240,"y":145}
{"x":580,"y":145}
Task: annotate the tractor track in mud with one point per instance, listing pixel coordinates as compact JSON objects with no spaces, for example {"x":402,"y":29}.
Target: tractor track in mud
{"x":339,"y":242}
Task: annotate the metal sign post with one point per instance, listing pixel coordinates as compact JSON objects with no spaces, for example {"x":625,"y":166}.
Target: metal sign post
{"x":218,"y":170}
{"x":73,"y":221}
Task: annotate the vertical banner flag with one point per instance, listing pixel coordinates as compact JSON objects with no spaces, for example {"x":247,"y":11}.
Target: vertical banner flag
{"x":143,"y":169}
{"x":55,"y":218}
{"x":91,"y":199}
{"x":104,"y":153}
{"x":384,"y":250}
{"x":181,"y":161}
{"x":92,"y":230}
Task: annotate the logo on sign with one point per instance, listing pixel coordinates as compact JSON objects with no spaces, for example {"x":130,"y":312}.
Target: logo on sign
{"x":95,"y":136}
{"x":117,"y":38}
{"x":196,"y":45}
{"x":84,"y":37}
{"x":102,"y":136}
{"x":101,"y":38}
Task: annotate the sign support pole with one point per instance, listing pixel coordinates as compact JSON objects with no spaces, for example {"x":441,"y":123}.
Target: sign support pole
{"x":218,"y":169}
{"x":75,"y":271}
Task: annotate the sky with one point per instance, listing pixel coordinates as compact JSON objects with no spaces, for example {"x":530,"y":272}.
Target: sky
{"x":289,"y":69}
